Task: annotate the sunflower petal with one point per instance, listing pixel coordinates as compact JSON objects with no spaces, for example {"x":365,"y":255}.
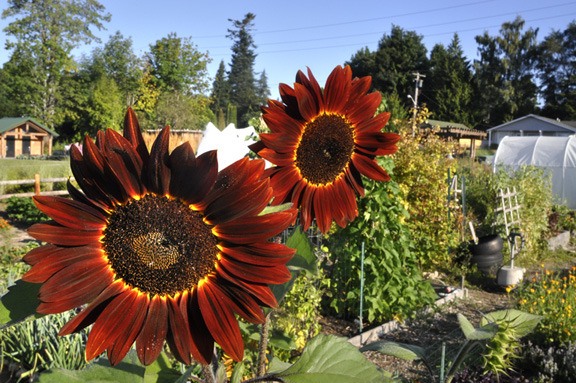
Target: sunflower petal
{"x":59,"y":235}
{"x":179,"y":337}
{"x":133,"y":134}
{"x":158,"y":170}
{"x":151,"y":339}
{"x":370,"y":168}
{"x":193,"y":181}
{"x":70,"y":213}
{"x":255,"y":229}
{"x":203,"y":342}
{"x":107,"y":327}
{"x":88,"y":315}
{"x":220,"y":320}
{"x":124,"y":342}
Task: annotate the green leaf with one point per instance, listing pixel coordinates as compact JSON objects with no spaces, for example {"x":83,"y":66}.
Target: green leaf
{"x":237,"y":373}
{"x":522,"y":322}
{"x":19,"y":303}
{"x":399,"y":350}
{"x":160,"y":371}
{"x":276,"y":209}
{"x":472,"y":333}
{"x":304,"y":259}
{"x":128,"y":371}
{"x":330,"y":359}
{"x":276,"y":365}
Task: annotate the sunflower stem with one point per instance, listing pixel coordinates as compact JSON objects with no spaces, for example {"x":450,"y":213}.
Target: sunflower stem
{"x":208,"y":373}
{"x":263,"y":346}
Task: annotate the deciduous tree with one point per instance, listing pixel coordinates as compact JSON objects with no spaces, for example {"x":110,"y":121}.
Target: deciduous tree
{"x":44,"y":32}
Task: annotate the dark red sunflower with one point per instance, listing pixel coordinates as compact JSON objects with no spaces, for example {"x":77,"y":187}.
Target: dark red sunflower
{"x":321,"y":142}
{"x":160,"y":246}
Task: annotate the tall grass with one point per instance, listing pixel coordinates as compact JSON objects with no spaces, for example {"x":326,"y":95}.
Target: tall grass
{"x":16,"y":169}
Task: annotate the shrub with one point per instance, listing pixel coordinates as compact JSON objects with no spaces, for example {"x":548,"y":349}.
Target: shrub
{"x":549,"y":364}
{"x":422,"y":166}
{"x":23,"y":210}
{"x":393,"y":285}
{"x":534,"y":195}
{"x":552,"y":295}
{"x":298,"y":315}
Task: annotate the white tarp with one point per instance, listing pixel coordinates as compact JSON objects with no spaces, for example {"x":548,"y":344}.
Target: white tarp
{"x":556,"y":155}
{"x":231,"y":143}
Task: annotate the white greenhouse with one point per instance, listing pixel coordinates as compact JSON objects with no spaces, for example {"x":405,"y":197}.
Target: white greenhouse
{"x":554,"y":154}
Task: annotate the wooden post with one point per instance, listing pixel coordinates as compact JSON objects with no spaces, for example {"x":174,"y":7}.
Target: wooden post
{"x":37,"y":184}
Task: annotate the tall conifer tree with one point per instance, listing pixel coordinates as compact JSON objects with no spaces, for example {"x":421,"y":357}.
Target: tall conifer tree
{"x":241,"y":79}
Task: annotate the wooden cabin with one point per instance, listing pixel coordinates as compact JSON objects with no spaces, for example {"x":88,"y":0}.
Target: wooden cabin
{"x":24,"y":136}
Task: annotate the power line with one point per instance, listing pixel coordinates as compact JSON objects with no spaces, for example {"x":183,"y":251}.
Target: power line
{"x":367,"y":43}
{"x":387,"y":17}
{"x":419,"y":27}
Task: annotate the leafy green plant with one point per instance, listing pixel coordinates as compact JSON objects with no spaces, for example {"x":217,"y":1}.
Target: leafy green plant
{"x":23,"y":210}
{"x":393,"y":285}
{"x":298,"y":315}
{"x":534,"y":196}
{"x":421,"y":168}
{"x":35,"y":346}
{"x":551,"y":295}
{"x":549,"y":364}
{"x":497,"y":334}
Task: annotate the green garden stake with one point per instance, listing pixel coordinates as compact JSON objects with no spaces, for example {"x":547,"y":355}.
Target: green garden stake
{"x":442,"y":361}
{"x":361,"y":285}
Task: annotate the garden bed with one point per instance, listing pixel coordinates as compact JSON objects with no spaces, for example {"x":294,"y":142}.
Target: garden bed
{"x":429,"y":329}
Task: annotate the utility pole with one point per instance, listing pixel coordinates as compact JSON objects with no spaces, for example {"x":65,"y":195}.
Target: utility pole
{"x":418,"y":84}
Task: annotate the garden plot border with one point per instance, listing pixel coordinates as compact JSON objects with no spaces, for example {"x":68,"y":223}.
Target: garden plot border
{"x":377,"y":333}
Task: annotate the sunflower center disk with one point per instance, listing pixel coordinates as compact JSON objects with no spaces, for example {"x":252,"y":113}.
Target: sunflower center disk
{"x":159,"y":245}
{"x":325,"y":149}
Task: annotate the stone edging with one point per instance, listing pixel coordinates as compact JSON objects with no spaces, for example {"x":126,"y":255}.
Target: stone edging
{"x":376,"y":333}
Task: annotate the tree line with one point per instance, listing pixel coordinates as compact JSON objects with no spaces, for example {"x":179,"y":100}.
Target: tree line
{"x":513,"y":76}
{"x":169,"y":84}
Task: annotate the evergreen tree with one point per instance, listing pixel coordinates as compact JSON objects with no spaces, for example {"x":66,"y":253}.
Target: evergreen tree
{"x":557,"y":73}
{"x":363,"y":63}
{"x":505,"y":87}
{"x":398,"y":56}
{"x":44,"y":33}
{"x":241,"y":79}
{"x":262,"y":90}
{"x":220,"y":96}
{"x":449,"y":89}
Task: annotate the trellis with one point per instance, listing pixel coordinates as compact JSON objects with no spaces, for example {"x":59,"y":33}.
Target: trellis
{"x":510,"y":209}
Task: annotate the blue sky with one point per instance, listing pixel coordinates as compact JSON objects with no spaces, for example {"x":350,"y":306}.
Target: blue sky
{"x":296,"y":34}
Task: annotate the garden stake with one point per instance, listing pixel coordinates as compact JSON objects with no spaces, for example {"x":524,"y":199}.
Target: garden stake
{"x":442,"y":361}
{"x":361,"y":285}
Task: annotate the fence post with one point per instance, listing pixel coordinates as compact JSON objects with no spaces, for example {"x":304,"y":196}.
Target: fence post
{"x":37,"y":184}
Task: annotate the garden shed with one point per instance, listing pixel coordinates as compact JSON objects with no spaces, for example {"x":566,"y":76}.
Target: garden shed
{"x":556,"y":155}
{"x":24,"y":136}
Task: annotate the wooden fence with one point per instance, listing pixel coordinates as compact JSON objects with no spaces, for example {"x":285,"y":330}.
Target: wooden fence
{"x":37,"y":181}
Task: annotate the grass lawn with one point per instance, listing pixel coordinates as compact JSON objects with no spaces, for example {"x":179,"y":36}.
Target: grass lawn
{"x":15,"y":169}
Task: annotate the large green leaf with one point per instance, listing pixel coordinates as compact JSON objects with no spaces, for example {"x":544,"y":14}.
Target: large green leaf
{"x":471,"y":333}
{"x":330,"y":359}
{"x":160,"y":371}
{"x":522,"y":322}
{"x":127,"y":371}
{"x":304,"y":259}
{"x":19,"y":303}
{"x":398,"y":350}
{"x":130,"y":370}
